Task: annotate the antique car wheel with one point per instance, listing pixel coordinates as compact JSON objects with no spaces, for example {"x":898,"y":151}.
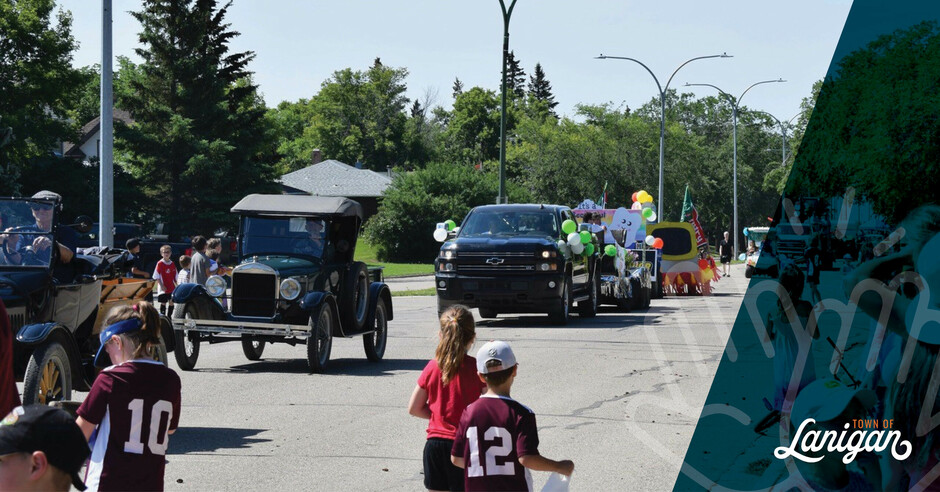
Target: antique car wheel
{"x":354,"y":299}
{"x":488,"y":313}
{"x":320,"y":340}
{"x":160,"y":352}
{"x":559,"y":315}
{"x":187,"y":342}
{"x":48,"y":375}
{"x":588,"y":308}
{"x":375,"y":342}
{"x":252,"y":348}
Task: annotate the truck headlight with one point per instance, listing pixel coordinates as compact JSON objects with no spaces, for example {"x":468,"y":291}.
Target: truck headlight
{"x":215,"y":286}
{"x":547,"y":254}
{"x":448,"y":267}
{"x":448,"y":254}
{"x":289,"y":289}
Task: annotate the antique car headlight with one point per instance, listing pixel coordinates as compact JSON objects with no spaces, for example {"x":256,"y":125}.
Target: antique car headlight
{"x":290,"y":289}
{"x":215,"y":286}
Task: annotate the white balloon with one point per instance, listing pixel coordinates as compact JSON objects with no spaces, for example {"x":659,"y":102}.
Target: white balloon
{"x":574,"y":238}
{"x":650,"y":240}
{"x":577,"y":248}
{"x":440,"y":235}
{"x":652,"y":217}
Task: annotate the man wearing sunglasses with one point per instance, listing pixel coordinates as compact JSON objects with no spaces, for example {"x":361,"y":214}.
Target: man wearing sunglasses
{"x":66,"y":239}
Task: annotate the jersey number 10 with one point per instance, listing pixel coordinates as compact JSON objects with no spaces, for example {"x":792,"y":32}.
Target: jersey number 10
{"x":134,"y":444}
{"x":501,"y":450}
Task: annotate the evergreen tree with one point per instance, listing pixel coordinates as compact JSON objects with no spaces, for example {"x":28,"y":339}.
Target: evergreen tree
{"x":515,"y":77}
{"x":540,"y":89}
{"x":458,"y":87}
{"x":416,"y":110}
{"x":200,"y":139}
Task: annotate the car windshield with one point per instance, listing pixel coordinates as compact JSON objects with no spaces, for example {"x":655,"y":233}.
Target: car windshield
{"x":510,"y":223}
{"x":304,"y":236}
{"x":25,"y":233}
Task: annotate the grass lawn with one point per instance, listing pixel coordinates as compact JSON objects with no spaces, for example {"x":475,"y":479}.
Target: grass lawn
{"x":431,"y":291}
{"x":366,"y":252}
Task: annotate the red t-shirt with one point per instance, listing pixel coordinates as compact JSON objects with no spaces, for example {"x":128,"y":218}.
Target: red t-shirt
{"x":448,"y":402}
{"x":9,"y":396}
{"x":134,"y":405}
{"x":167,"y":274}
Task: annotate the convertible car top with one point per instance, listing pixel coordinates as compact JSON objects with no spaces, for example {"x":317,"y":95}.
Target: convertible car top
{"x":300,"y":205}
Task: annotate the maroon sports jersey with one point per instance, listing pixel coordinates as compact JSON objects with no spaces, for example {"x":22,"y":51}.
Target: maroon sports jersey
{"x":494,"y":432}
{"x":134,"y":405}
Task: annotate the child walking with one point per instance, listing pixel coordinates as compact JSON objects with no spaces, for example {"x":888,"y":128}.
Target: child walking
{"x":500,"y":429}
{"x":133,"y":405}
{"x":446,"y":386}
{"x":183,"y":276}
{"x":165,"y":274}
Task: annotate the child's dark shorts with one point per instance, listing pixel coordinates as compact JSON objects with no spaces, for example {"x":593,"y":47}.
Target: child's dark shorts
{"x":439,"y":472}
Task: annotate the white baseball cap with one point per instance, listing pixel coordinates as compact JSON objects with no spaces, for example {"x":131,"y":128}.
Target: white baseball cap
{"x":497,"y":350}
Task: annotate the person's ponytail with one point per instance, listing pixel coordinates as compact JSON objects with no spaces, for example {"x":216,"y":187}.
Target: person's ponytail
{"x":457,"y":333}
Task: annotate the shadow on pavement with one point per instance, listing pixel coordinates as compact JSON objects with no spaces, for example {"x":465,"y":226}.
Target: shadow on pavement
{"x":344,"y":367}
{"x":608,"y":317}
{"x":208,"y":439}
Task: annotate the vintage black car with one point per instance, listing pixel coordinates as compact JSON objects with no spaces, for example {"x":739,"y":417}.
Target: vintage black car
{"x":56,"y":309}
{"x":507,"y":259}
{"x":297,"y":283}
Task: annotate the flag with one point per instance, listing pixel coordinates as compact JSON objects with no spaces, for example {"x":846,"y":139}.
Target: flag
{"x":690,"y":215}
{"x":602,"y":201}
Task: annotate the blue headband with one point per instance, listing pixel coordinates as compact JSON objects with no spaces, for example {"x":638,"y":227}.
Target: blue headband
{"x":126,"y":326}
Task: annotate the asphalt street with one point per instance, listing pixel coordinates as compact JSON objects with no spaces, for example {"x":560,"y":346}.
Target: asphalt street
{"x":618,"y":394}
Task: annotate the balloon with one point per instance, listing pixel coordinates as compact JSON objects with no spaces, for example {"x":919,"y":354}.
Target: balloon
{"x":703,"y":263}
{"x":634,"y":196}
{"x":650,"y":240}
{"x":652,"y":217}
{"x":585,"y":237}
{"x":577,"y":248}
{"x":647,"y":212}
{"x":647,"y":205}
{"x":610,"y":250}
{"x":658,"y":243}
{"x":568,"y":226}
{"x":742,"y":257}
{"x":440,"y":235}
{"x":589,"y":249}
{"x":574,"y":238}
{"x":449,"y":224}
{"x":640,"y":194}
{"x":636,"y":206}
{"x":746,"y":232}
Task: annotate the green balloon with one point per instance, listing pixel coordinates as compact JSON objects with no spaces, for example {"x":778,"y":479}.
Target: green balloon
{"x":568,"y":226}
{"x":449,"y":224}
{"x":610,"y":250}
{"x":589,"y":249}
{"x":585,"y":237}
{"x":647,"y":213}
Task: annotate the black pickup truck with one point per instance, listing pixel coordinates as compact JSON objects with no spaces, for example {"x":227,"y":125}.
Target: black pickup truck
{"x":512,"y":259}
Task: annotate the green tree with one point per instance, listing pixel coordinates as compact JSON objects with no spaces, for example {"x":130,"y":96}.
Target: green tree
{"x":37,"y":83}
{"x":200,"y":138}
{"x":472,"y":134}
{"x":515,"y":77}
{"x":540,"y":90}
{"x":458,"y":88}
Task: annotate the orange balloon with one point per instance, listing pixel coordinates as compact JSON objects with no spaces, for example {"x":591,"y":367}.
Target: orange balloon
{"x":634,"y":195}
{"x":658,"y":243}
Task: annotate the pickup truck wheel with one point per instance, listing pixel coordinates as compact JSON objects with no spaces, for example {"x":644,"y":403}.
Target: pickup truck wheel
{"x":252,"y":348}
{"x":559,"y":315}
{"x":588,"y":308}
{"x":48,"y":375}
{"x":488,"y":313}
{"x":354,"y":299}
{"x":320,"y":340}
{"x":375,"y":342}
{"x":186,"y":350}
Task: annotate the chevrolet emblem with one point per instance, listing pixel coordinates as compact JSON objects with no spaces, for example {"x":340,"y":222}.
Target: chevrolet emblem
{"x":495,"y":261}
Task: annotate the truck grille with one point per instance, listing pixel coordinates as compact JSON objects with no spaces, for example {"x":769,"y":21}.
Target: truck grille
{"x":254,"y":294}
{"x":791,"y":249}
{"x":490,"y":263}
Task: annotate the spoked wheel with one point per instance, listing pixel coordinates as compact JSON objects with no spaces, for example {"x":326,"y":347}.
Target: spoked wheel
{"x":320,"y":341}
{"x":375,"y":342}
{"x":187,"y":342}
{"x":48,"y":375}
{"x":252,"y":348}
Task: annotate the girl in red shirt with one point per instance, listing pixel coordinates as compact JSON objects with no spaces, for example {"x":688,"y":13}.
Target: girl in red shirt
{"x":448,"y":384}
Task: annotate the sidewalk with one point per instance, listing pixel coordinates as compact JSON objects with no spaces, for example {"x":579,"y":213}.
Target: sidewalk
{"x":400,"y":284}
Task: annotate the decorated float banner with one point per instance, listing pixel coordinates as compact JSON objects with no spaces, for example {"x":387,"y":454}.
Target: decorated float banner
{"x":618,"y":219}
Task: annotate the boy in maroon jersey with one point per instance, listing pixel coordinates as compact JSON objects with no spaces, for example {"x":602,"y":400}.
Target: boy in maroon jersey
{"x":133,"y":406}
{"x":497,"y":441}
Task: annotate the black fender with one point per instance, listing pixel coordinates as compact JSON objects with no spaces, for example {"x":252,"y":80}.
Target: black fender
{"x":377,"y":290}
{"x":313,"y":300}
{"x":38,"y":334}
{"x":207,"y":306}
{"x":183,"y":292}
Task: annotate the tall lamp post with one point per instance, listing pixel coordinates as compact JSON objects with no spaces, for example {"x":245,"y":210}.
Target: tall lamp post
{"x":662,"y":101}
{"x":507,"y":13}
{"x":735,"y":105}
{"x":784,"y":125}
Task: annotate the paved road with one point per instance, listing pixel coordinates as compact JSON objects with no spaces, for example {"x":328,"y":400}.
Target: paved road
{"x":618,"y":394}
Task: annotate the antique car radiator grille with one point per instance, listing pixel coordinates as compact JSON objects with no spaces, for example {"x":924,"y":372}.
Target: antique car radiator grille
{"x":17,"y":320}
{"x":254,"y":294}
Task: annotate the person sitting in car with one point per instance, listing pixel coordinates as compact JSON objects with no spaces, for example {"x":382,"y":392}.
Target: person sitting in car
{"x":312,"y":244}
{"x":65,"y":240}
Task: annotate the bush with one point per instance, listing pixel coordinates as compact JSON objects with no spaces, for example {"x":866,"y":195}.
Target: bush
{"x":416,"y":201}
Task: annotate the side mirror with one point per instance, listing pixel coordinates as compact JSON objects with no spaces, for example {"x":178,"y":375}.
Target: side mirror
{"x":83,"y":224}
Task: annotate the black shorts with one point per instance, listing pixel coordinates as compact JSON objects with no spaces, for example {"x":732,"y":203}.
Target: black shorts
{"x":439,"y":472}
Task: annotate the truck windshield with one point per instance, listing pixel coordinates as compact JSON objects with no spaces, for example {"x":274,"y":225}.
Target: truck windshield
{"x":510,"y":223}
{"x":304,"y":236}
{"x":26,"y":233}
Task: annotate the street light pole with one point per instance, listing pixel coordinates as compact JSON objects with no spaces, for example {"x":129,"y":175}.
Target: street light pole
{"x":507,"y":13}
{"x":662,"y":120}
{"x":735,"y":105}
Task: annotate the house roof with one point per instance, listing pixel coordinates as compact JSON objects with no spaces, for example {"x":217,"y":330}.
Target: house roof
{"x":333,"y":178}
{"x":90,"y":129}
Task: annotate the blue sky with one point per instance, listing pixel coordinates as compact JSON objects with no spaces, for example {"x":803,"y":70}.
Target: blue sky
{"x":300,"y":43}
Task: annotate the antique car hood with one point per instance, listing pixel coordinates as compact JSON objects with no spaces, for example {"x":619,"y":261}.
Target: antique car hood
{"x":285,"y":266}
{"x":15,"y":284}
{"x":500,"y":243}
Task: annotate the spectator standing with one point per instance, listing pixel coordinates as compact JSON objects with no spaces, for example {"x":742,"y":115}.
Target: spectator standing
{"x":165,"y":274}
{"x":446,"y":386}
{"x":9,"y":396}
{"x":813,"y":259}
{"x":41,"y":449}
{"x":199,"y":268}
{"x":183,"y":276}
{"x":137,"y":261}
{"x":724,"y":254}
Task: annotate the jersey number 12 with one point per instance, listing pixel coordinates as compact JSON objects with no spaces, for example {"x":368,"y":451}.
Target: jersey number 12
{"x":501,"y":450}
{"x":134,"y":444}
